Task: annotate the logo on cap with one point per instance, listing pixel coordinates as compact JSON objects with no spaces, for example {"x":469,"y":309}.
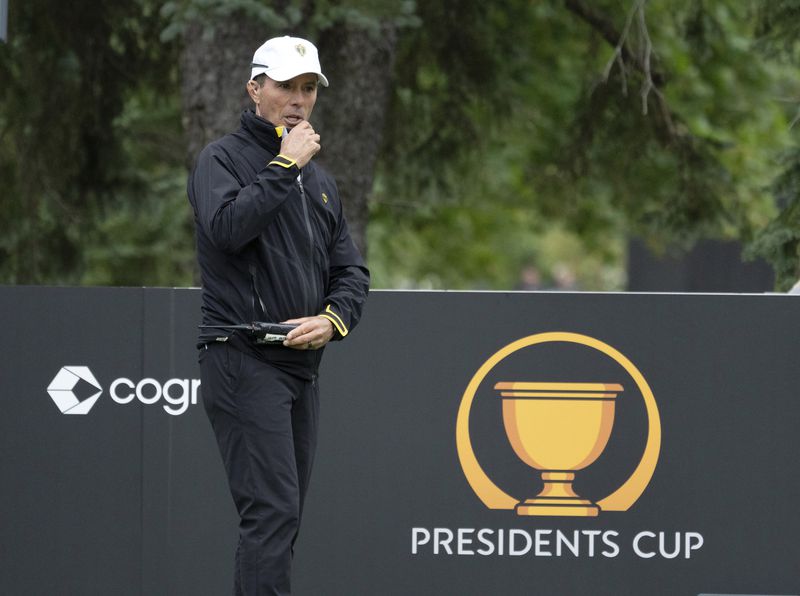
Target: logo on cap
{"x":301,"y":49}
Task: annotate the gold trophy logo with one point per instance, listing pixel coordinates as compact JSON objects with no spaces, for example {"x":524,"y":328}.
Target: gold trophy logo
{"x":558,"y":429}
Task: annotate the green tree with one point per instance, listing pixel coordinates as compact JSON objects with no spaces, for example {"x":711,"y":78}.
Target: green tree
{"x":779,"y":241}
{"x":68,"y":160}
{"x":601,"y":119}
{"x":468,"y":138}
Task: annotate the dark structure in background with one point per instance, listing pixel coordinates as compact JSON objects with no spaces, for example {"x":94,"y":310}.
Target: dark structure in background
{"x":711,"y":266}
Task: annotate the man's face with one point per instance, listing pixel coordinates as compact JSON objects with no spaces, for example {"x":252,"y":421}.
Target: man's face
{"x":286,"y":103}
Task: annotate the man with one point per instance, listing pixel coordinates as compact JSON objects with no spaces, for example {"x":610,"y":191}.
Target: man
{"x":273,"y":245}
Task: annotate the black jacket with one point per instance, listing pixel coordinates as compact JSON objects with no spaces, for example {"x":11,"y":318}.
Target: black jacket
{"x":272,"y":242}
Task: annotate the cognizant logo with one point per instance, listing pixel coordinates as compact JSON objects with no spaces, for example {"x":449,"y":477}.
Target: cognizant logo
{"x":68,"y":380}
{"x":75,"y":390}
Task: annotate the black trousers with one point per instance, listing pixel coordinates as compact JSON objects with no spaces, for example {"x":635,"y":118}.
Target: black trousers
{"x":265,"y":421}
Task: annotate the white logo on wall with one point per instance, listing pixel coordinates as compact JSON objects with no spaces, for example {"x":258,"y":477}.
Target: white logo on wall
{"x":62,"y":389}
{"x":75,"y":390}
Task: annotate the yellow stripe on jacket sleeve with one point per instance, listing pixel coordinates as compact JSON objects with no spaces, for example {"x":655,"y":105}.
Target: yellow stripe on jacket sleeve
{"x":335,"y":319}
{"x":283,"y":161}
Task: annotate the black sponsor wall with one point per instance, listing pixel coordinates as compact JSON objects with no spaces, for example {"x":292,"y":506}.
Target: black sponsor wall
{"x":130,"y":499}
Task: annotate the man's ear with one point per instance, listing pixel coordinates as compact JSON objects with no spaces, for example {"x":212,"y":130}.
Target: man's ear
{"x":253,"y":90}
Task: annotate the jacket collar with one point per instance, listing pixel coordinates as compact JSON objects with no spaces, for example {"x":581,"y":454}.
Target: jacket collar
{"x":264,"y":132}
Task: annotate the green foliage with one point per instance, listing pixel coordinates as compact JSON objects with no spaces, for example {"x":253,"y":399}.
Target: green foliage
{"x":366,"y":15}
{"x":779,"y":29}
{"x":143,"y":236}
{"x":179,"y":13}
{"x":69,"y":71}
{"x":516,"y":112}
{"x":779,"y":242}
{"x":143,"y":244}
{"x":314,"y":16}
{"x":515,"y":136}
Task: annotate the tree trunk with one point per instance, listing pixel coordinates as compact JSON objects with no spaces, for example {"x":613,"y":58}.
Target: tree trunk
{"x":215,"y":68}
{"x":351,"y":113}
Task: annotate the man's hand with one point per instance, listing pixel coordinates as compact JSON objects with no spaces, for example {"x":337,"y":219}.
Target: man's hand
{"x":311,"y":333}
{"x":301,"y":144}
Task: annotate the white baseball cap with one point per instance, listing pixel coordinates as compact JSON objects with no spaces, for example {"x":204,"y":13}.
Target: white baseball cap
{"x":283,"y":58}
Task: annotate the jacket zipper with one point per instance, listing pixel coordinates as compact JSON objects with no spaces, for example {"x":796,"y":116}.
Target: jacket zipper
{"x":305,"y":214}
{"x":308,"y":264}
{"x":256,"y":294}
